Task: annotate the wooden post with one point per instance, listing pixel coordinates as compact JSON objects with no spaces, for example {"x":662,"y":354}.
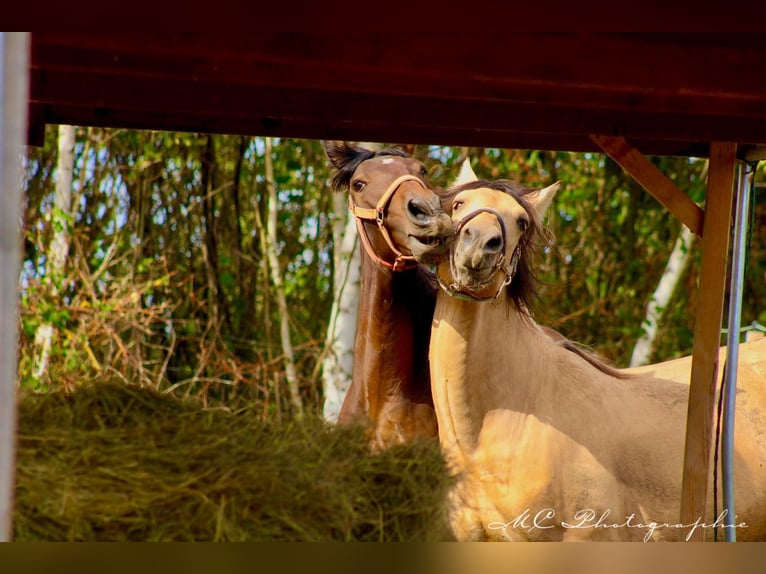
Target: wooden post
{"x":713,"y":225}
{"x":14,"y":79}
{"x":707,"y":334}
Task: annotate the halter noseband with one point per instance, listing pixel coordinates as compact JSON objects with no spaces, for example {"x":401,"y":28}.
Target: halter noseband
{"x":459,"y":292}
{"x":378,"y":215}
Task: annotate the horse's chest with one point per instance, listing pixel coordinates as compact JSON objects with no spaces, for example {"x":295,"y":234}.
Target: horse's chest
{"x":528,"y":468}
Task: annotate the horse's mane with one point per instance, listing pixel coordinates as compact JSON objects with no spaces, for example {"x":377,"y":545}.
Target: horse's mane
{"x":586,"y":354}
{"x":346,"y":158}
{"x":522,"y":292}
{"x":428,"y":280}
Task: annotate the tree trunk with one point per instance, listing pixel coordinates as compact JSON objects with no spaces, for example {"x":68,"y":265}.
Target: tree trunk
{"x":61,"y":220}
{"x":276,"y":279}
{"x":677,"y":264}
{"x":216,"y":300}
{"x":338,"y":363}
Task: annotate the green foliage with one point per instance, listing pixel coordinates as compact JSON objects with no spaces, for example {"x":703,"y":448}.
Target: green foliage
{"x":166,"y":282}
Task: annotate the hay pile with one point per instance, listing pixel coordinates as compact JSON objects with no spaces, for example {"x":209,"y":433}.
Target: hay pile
{"x":111,"y":462}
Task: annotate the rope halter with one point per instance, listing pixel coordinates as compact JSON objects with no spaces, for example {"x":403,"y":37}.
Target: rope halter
{"x":509,"y":269}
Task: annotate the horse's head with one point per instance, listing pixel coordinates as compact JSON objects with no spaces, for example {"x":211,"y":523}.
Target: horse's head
{"x":498,"y":224}
{"x":388,"y":190}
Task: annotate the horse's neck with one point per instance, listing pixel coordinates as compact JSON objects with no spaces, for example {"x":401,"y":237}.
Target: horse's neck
{"x":393,"y":328}
{"x":485,"y":355}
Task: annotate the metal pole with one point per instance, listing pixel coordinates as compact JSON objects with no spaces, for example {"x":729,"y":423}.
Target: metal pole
{"x":14,"y":81}
{"x":732,"y":357}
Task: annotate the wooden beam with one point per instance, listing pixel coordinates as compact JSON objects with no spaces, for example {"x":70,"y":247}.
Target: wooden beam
{"x":683,"y":74}
{"x":436,"y":109}
{"x":657,"y":91}
{"x":35,"y":125}
{"x":322,"y":127}
{"x":653,"y":181}
{"x":707,"y":334}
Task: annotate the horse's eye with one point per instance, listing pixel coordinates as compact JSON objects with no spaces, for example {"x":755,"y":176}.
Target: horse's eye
{"x":357,"y":185}
{"x":423,"y":171}
{"x":457,"y":204}
{"x":523,"y":224}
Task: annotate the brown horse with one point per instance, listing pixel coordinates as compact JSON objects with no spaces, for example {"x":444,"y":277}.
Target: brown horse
{"x":546,"y":446}
{"x":400,"y":221}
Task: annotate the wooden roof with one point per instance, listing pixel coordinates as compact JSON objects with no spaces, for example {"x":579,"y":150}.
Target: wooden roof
{"x":665,"y":93}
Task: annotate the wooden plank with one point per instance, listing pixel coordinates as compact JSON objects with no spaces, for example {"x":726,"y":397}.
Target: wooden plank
{"x":707,"y":334}
{"x":570,"y":84}
{"x":617,"y":69}
{"x":653,"y":181}
{"x":14,"y":53}
{"x":176,"y":97}
{"x":36,"y":125}
{"x":323,"y":127}
{"x":259,"y":64}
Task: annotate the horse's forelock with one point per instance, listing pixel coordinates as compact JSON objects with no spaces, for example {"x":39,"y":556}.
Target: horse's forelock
{"x":348,"y":158}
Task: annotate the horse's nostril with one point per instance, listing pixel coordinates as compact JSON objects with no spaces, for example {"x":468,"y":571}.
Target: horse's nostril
{"x":493,"y":244}
{"x":418,"y":209}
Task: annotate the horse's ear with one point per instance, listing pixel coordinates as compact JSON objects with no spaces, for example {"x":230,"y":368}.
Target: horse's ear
{"x":333,"y":149}
{"x":466,"y":174}
{"x":339,"y":152}
{"x":542,"y":198}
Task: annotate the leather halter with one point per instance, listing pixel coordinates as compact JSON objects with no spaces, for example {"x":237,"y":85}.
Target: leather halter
{"x":378,"y":215}
{"x":465,"y":293}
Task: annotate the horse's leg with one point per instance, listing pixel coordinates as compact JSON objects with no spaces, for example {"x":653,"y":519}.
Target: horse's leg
{"x":463,"y":516}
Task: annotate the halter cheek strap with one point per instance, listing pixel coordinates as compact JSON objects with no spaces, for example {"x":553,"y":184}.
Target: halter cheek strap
{"x":378,"y":215}
{"x":509,"y":270}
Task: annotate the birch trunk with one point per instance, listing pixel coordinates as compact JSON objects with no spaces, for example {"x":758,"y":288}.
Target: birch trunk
{"x":338,"y":363}
{"x":59,"y":247}
{"x":276,"y":279}
{"x":677,"y":264}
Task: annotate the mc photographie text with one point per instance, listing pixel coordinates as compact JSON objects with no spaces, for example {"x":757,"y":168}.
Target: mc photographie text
{"x":588,"y":518}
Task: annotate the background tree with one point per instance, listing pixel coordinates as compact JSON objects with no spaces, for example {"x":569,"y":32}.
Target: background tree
{"x":168,"y":280}
{"x":61,"y":221}
{"x":338,"y":351}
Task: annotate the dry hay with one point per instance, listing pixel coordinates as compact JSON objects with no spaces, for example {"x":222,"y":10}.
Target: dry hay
{"x":118,"y":463}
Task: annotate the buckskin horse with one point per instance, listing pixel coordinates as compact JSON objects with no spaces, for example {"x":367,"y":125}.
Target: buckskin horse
{"x":752,"y":354}
{"x":400,"y":221}
{"x":543,"y":444}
